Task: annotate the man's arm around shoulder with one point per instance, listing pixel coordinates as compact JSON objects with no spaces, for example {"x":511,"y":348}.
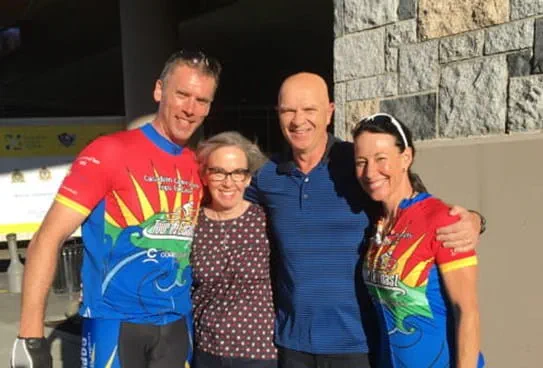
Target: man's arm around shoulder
{"x":253,"y":191}
{"x":465,"y":233}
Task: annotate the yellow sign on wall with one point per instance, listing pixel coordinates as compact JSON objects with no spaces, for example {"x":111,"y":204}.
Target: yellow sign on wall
{"x":50,"y":140}
{"x":35,"y":155}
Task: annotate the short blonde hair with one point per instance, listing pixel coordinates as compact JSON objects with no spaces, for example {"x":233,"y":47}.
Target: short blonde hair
{"x":255,"y":157}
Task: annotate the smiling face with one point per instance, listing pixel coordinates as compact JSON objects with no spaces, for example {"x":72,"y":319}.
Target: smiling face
{"x":381,"y":168}
{"x":304,"y":112}
{"x":184,"y":99}
{"x":226,"y":195}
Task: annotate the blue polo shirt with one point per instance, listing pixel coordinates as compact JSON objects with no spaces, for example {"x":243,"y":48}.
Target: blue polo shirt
{"x":318,"y":223}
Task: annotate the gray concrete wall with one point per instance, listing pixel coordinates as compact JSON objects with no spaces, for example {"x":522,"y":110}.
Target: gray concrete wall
{"x":503,"y":178}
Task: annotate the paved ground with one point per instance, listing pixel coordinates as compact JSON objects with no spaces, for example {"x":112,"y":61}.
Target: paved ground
{"x":62,"y":333}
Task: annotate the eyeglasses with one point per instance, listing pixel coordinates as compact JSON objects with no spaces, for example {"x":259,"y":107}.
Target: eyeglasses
{"x":198,"y":58}
{"x":218,"y":174}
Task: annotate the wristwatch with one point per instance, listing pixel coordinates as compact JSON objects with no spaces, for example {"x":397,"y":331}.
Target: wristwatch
{"x":483,"y":224}
{"x":483,"y":221}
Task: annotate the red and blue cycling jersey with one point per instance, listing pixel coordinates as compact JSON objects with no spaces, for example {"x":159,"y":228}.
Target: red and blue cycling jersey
{"x":141,"y":195}
{"x":403,"y":273}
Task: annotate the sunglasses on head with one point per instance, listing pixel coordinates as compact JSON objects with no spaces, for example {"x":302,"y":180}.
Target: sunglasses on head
{"x":198,"y":58}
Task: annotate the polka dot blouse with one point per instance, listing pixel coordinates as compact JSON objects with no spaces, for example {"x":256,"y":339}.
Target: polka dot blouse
{"x":232,"y":295}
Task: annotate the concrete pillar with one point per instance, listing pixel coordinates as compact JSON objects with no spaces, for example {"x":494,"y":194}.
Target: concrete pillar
{"x":148,"y":38}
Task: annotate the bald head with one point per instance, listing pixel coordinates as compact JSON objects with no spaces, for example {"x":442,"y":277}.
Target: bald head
{"x":305,"y":111}
{"x":302,"y":83}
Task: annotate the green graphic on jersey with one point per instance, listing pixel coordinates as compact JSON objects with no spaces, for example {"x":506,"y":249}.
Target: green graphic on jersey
{"x":169,"y":236}
{"x":403,"y":293}
{"x":409,"y":302}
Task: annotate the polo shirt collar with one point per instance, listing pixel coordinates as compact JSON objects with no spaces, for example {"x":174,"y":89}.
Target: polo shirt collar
{"x":287,"y":164}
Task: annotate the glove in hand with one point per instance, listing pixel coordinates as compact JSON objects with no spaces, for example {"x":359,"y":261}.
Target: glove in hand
{"x":31,"y":352}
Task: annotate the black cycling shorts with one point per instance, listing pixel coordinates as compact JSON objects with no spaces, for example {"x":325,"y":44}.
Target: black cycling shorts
{"x":118,"y":344}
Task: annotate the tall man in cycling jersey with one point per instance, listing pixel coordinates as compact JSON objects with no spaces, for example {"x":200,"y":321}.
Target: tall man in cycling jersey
{"x":136,"y":194}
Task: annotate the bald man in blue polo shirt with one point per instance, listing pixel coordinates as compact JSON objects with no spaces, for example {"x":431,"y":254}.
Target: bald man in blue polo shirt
{"x":319,"y":217}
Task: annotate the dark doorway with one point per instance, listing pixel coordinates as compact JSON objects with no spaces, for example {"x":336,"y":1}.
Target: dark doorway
{"x":259,"y":44}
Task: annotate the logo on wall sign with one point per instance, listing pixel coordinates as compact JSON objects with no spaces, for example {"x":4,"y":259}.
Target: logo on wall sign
{"x":66,"y":139}
{"x":44,"y":173}
{"x":17,"y":176}
{"x":13,"y":142}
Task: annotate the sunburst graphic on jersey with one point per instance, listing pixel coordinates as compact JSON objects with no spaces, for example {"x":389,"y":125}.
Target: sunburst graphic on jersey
{"x":395,"y":269}
{"x":391,"y":259}
{"x":176,"y":211}
{"x":154,"y":234}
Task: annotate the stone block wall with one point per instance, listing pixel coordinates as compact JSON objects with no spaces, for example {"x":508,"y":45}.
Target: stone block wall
{"x":446,"y":68}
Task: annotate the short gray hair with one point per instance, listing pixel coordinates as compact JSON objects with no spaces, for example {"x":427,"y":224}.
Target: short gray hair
{"x":193,"y":59}
{"x":255,"y":157}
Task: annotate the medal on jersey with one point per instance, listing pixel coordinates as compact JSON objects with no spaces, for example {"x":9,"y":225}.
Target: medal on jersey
{"x":378,"y":238}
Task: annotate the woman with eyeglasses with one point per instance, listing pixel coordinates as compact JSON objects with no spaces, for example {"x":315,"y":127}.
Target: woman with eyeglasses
{"x":232,"y":295}
{"x":425,"y":294}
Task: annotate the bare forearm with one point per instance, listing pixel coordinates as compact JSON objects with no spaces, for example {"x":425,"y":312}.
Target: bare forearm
{"x":59,"y":223}
{"x":468,"y":340}
{"x":38,"y":275}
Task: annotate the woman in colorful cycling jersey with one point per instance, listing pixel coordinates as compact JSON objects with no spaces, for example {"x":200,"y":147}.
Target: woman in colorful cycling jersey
{"x":425,"y":294}
{"x":232,"y":297}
